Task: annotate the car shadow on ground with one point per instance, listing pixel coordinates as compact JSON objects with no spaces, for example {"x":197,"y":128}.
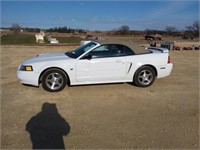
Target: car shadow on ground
{"x":47,"y":128}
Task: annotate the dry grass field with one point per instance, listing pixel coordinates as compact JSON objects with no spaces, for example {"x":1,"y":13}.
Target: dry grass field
{"x":111,"y":116}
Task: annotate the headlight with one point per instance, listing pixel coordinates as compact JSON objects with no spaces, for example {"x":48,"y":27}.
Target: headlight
{"x":25,"y":68}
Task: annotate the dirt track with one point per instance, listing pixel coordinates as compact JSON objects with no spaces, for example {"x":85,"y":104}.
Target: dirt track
{"x":113,"y":116}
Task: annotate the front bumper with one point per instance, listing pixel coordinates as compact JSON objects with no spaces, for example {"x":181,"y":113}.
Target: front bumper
{"x":28,"y":77}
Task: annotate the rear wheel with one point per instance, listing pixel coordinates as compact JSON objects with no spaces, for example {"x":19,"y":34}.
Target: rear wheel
{"x":144,"y":76}
{"x":54,"y":80}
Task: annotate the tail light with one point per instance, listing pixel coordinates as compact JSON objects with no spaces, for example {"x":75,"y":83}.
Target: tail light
{"x":168,"y":61}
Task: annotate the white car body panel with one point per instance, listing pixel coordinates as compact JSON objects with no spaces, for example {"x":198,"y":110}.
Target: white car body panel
{"x":101,"y":69}
{"x":97,"y":70}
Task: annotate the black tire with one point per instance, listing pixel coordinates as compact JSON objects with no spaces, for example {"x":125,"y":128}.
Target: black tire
{"x":144,"y":76}
{"x":54,"y":80}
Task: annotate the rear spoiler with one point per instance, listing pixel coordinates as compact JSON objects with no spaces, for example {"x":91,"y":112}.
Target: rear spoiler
{"x":163,"y":50}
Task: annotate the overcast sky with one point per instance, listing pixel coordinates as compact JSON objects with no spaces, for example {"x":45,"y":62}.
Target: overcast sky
{"x":100,"y":15}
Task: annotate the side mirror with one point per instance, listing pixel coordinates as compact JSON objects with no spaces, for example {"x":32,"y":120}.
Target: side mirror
{"x":87,"y":56}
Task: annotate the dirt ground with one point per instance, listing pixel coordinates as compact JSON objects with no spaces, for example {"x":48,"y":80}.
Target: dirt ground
{"x":112,"y":116}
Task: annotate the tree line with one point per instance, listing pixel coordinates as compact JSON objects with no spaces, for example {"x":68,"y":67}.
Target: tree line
{"x":192,"y":30}
{"x":66,"y":30}
{"x":169,"y":30}
{"x":16,"y":28}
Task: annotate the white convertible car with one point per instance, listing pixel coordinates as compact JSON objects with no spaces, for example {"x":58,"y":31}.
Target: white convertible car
{"x":96,"y":62}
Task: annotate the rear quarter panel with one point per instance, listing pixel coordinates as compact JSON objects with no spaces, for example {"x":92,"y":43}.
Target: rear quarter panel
{"x":157,"y":60}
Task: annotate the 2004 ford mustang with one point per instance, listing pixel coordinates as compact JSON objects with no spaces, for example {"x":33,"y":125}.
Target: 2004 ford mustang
{"x":103,"y":61}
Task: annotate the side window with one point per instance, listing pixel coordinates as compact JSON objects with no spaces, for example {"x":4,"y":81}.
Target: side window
{"x":109,"y":50}
{"x":117,"y":50}
{"x":101,"y":52}
{"x":101,"y":48}
{"x":128,"y":51}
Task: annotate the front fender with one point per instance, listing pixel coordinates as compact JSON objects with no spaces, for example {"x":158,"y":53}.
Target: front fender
{"x":69,"y":71}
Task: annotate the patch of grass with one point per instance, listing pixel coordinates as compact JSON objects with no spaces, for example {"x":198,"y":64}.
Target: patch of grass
{"x":18,"y":39}
{"x":27,"y":39}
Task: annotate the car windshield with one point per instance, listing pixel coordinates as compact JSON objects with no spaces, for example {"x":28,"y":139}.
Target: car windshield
{"x":79,"y":51}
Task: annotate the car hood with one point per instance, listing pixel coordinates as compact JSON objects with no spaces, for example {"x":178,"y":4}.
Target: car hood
{"x":47,"y":58}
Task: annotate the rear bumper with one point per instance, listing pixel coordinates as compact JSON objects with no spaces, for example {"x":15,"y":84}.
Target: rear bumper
{"x":165,"y":70}
{"x":30,"y":78}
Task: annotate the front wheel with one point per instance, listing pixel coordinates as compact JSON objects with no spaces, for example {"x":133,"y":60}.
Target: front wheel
{"x":144,"y":76}
{"x":54,"y":80}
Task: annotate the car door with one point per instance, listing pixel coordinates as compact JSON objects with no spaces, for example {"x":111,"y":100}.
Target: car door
{"x":106,"y":64}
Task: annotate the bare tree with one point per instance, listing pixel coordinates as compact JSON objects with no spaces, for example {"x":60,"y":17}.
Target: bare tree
{"x":124,"y":30}
{"x":194,"y":28}
{"x":16,"y":28}
{"x":171,"y":30}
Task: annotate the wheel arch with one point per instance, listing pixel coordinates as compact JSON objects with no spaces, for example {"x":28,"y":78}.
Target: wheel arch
{"x":51,"y":68}
{"x":153,"y":67}
{"x":136,"y":80}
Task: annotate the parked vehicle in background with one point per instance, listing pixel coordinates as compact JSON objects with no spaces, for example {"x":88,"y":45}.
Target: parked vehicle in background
{"x":153,"y":37}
